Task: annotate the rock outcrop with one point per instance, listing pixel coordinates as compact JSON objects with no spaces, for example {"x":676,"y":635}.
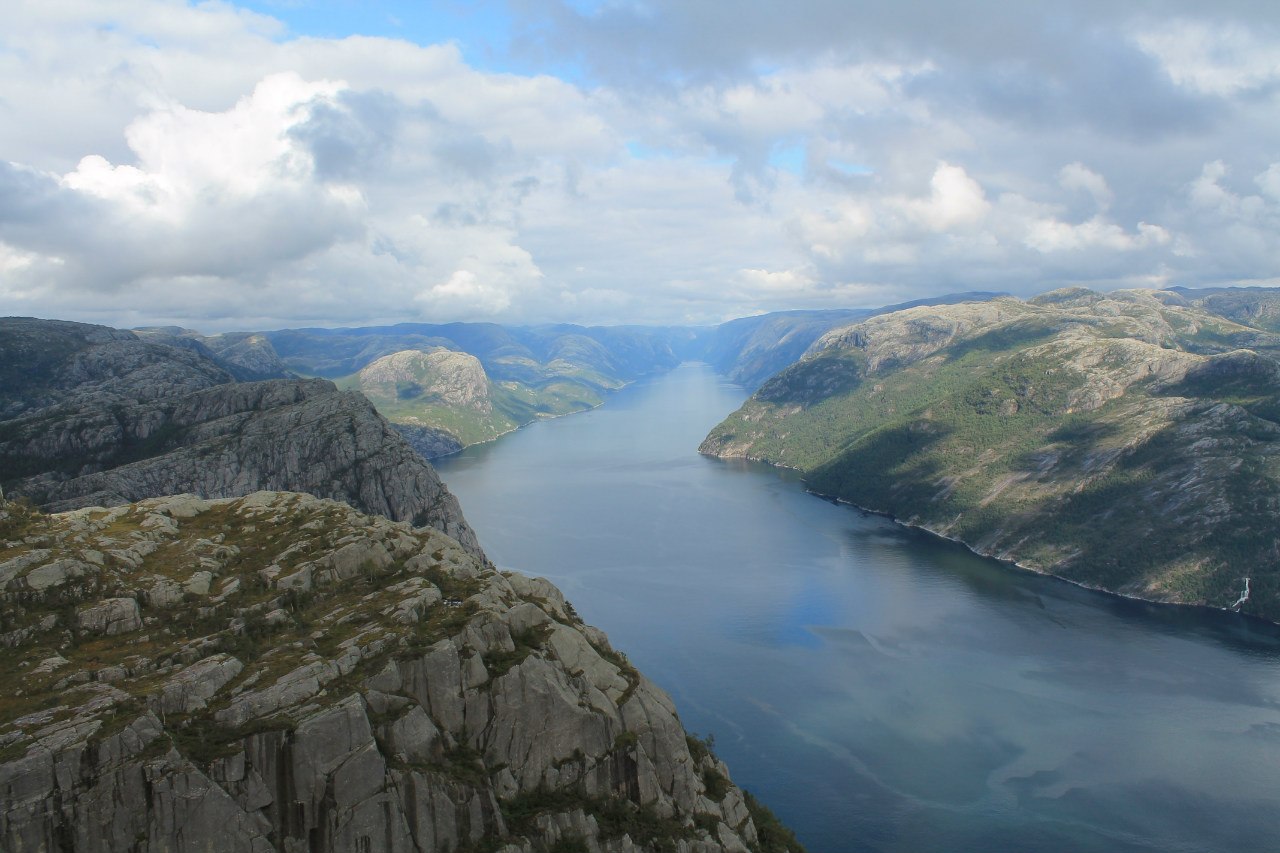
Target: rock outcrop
{"x":97,"y":416}
{"x":430,"y":442}
{"x":278,"y":672}
{"x":439,"y":400}
{"x":1128,"y":441}
{"x":455,"y":379}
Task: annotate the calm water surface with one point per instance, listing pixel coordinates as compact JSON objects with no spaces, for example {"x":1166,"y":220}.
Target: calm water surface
{"x":883,"y":690}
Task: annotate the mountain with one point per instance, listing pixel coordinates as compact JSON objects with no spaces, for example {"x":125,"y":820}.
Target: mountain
{"x":751,"y":349}
{"x":522,"y":353}
{"x":1128,"y":441}
{"x":450,"y":393}
{"x":507,"y":376}
{"x":91,"y":415}
{"x":247,"y":356}
{"x":281,"y":672}
{"x":1253,"y":306}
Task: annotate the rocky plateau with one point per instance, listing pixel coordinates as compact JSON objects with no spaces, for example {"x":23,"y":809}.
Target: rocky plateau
{"x":279,"y":672}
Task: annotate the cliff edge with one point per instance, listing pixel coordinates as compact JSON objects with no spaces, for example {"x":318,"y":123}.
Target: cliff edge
{"x":281,"y":672}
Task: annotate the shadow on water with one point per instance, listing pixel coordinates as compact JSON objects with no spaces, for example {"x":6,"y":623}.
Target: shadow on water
{"x":880,"y":688}
{"x":998,"y":580}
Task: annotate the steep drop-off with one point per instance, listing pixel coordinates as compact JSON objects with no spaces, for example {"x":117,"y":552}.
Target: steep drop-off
{"x":279,"y":672}
{"x":91,"y":415}
{"x":1129,"y":441}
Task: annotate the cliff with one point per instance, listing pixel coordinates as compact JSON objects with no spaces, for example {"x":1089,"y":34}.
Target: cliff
{"x":280,"y":672}
{"x":97,"y":416}
{"x":1128,"y":441}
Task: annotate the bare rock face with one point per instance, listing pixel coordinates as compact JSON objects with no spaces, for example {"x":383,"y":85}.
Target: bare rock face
{"x":408,"y":697}
{"x":103,"y":418}
{"x":110,"y":617}
{"x":430,"y":442}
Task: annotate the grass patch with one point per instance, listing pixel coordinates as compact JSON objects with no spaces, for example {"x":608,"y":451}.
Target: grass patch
{"x":526,"y":643}
{"x":773,"y":836}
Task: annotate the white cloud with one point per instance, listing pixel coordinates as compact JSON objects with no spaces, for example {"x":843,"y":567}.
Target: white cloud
{"x":1052,"y":235}
{"x":203,"y":166}
{"x":1269,"y":181}
{"x":1077,"y":176}
{"x":1221,"y":59}
{"x":955,"y":199}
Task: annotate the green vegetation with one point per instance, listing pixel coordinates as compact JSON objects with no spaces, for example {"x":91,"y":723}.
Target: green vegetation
{"x":450,"y":391}
{"x":629,"y":672}
{"x":773,"y":835}
{"x":526,"y":643}
{"x":1077,"y":435}
{"x":614,"y":815}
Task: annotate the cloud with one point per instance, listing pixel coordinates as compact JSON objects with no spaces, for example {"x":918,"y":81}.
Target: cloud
{"x":201,"y":165}
{"x":1077,"y":176}
{"x":1213,"y":58}
{"x":209,"y":194}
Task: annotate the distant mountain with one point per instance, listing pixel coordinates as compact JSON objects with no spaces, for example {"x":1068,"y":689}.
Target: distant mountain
{"x":1253,"y":306}
{"x":752,"y":349}
{"x":523,"y":353}
{"x":97,"y":416}
{"x":450,"y":385}
{"x":1128,"y":441}
{"x":247,"y":356}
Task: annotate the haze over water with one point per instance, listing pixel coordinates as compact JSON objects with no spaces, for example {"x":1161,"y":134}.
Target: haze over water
{"x":880,"y":689}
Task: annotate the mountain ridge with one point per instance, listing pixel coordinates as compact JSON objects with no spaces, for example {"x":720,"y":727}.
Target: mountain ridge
{"x":91,"y":415}
{"x":1126,"y":441}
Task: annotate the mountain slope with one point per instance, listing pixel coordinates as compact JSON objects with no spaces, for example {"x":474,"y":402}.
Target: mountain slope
{"x":279,"y":672}
{"x":247,"y":356}
{"x":1254,"y":306}
{"x":446,"y":392}
{"x":517,"y":374}
{"x":751,"y":349}
{"x":1127,"y":441}
{"x":97,"y":416}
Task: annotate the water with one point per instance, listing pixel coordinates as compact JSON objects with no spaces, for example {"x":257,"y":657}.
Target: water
{"x":880,"y":689}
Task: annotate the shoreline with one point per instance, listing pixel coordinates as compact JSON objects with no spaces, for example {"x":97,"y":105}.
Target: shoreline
{"x":1014,"y":564}
{"x":1005,"y":561}
{"x":538,"y":419}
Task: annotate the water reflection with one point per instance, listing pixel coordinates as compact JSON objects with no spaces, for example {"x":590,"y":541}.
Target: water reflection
{"x":882,"y":689}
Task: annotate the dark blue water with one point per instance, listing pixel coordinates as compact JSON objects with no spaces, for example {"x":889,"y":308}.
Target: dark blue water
{"x":879,"y":688}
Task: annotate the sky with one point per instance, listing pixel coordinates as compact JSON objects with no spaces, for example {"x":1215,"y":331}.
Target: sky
{"x":276,"y":163}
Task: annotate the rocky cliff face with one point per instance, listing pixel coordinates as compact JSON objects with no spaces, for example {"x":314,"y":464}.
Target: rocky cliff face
{"x":1129,"y":441}
{"x":280,"y":672}
{"x":101,"y":417}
